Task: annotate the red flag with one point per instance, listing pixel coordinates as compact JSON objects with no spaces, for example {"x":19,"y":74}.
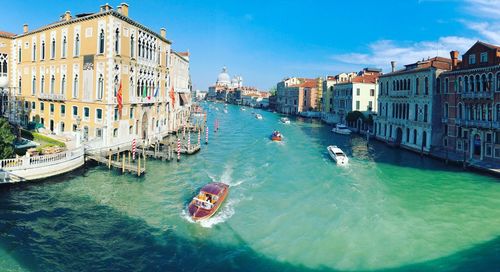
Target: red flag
{"x":172,"y":96}
{"x":119,"y":98}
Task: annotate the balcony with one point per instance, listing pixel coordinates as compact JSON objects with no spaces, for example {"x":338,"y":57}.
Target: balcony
{"x":399,"y":93}
{"x":143,"y":100}
{"x":478,"y":123}
{"x":477,"y":95}
{"x":52,"y":97}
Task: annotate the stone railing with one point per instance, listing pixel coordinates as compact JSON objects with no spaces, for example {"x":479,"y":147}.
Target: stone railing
{"x":477,"y":95}
{"x":24,"y":163}
{"x":140,"y":100}
{"x":54,"y":97}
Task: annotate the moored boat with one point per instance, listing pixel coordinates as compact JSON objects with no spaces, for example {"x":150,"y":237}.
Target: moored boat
{"x":208,"y":201}
{"x":337,"y":155}
{"x":341,"y":129}
{"x":276,"y":136}
{"x":285,"y":120}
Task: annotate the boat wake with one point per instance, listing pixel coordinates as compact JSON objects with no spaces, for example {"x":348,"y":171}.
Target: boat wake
{"x":225,"y":212}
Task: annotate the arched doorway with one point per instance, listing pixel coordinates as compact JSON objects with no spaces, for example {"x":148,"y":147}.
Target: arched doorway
{"x":144,"y":126}
{"x":477,"y":145}
{"x":399,"y":135}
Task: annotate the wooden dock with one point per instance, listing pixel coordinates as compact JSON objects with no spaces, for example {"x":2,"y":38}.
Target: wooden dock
{"x":121,"y":161}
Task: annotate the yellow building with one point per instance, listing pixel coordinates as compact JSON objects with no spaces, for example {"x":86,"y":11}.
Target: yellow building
{"x":68,"y":75}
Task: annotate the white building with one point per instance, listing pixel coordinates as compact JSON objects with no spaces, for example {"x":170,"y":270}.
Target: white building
{"x":357,"y":94}
{"x":181,"y":83}
{"x":409,"y":105}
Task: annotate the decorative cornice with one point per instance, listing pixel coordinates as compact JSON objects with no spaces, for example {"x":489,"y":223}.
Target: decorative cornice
{"x":93,"y":16}
{"x":473,"y":70}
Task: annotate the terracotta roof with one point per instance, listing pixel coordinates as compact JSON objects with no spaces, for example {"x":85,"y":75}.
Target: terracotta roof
{"x":6,"y":34}
{"x":489,"y":45}
{"x":184,"y":54}
{"x":365,"y":79}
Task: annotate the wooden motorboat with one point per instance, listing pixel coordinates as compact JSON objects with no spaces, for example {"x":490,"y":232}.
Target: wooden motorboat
{"x":285,"y":120}
{"x":337,"y":155}
{"x":276,"y":136}
{"x":208,"y":201}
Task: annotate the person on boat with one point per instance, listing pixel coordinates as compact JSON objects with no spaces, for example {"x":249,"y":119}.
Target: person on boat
{"x":209,"y":199}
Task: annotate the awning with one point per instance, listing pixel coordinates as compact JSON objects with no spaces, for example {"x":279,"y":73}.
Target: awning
{"x":184,"y":100}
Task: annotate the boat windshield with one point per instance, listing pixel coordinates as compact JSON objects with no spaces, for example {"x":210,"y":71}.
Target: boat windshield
{"x":341,"y":126}
{"x":339,"y":154}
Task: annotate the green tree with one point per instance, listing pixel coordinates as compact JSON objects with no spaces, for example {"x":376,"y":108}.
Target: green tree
{"x":353,"y":116}
{"x":6,"y":139}
{"x":272,"y":91}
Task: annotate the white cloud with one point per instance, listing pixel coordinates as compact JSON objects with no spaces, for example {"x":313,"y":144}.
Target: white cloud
{"x":484,"y":8}
{"x":382,"y":52}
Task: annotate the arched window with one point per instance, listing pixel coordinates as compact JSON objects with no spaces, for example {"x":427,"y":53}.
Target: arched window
{"x":414,"y":136}
{"x":484,"y":83}
{"x":63,"y":84}
{"x":478,"y":83}
{"x":77,"y":44}
{"x":397,"y":85}
{"x":438,"y":85}
{"x":132,"y":46}
{"x":425,"y":112}
{"x":472,"y":85}
{"x":19,"y":54}
{"x":34,"y":52}
{"x":393,"y":85}
{"x":75,"y":86}
{"x":52,"y":84}
{"x":100,"y":87}
{"x":446,"y":85}
{"x":426,"y":82}
{"x":64,"y":45}
{"x":53,"y":49}
{"x":460,"y":85}
{"x":138,"y":93}
{"x":42,"y":83}
{"x":417,"y":85}
{"x":33,"y":86}
{"x":466,"y":84}
{"x":498,"y":112}
{"x":498,"y":82}
{"x":20,"y":85}
{"x":489,"y":84}
{"x":445,"y":110}
{"x":459,"y":111}
{"x":117,"y":41}
{"x":101,"y":42}
{"x":43,"y":51}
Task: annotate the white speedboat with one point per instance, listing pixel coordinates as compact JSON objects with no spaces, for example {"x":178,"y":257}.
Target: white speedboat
{"x":258,"y":116}
{"x":225,"y":110}
{"x":285,"y":120}
{"x":341,"y":129}
{"x":337,"y":155}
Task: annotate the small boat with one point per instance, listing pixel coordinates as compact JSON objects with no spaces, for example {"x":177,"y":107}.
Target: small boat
{"x":258,"y":116}
{"x":208,"y":201}
{"x":276,"y":136}
{"x":243,"y":109}
{"x":341,"y":129}
{"x":225,"y":110}
{"x":337,"y":155}
{"x":285,"y":120}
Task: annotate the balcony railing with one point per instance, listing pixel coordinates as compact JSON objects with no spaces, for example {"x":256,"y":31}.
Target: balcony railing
{"x":478,"y":123}
{"x":140,"y":100}
{"x":477,"y":95}
{"x":53,"y":97}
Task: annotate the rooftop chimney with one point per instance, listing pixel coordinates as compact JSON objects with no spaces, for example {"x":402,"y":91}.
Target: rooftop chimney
{"x":163,"y":32}
{"x":393,"y":65}
{"x":105,"y":7}
{"x":454,"y":59}
{"x":67,"y":16}
{"x":124,"y":8}
{"x":25,"y":28}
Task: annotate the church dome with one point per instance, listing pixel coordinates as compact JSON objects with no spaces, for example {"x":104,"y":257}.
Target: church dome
{"x":223,"y":78}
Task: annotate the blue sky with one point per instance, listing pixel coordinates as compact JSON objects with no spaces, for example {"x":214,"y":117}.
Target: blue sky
{"x":265,"y":41}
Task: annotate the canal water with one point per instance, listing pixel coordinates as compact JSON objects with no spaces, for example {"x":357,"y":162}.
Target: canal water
{"x":289,"y":209}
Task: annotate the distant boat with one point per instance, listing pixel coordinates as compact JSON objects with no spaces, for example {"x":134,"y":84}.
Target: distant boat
{"x":225,"y":110}
{"x":258,"y":116}
{"x":243,"y":109}
{"x":285,"y":120}
{"x":337,"y":155}
{"x":208,"y":201}
{"x":341,"y":129}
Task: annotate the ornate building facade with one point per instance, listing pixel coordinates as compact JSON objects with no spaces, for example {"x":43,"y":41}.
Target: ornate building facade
{"x":100,"y":73}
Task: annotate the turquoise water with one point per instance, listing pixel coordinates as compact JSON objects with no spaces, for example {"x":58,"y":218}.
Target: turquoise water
{"x":289,"y":209}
